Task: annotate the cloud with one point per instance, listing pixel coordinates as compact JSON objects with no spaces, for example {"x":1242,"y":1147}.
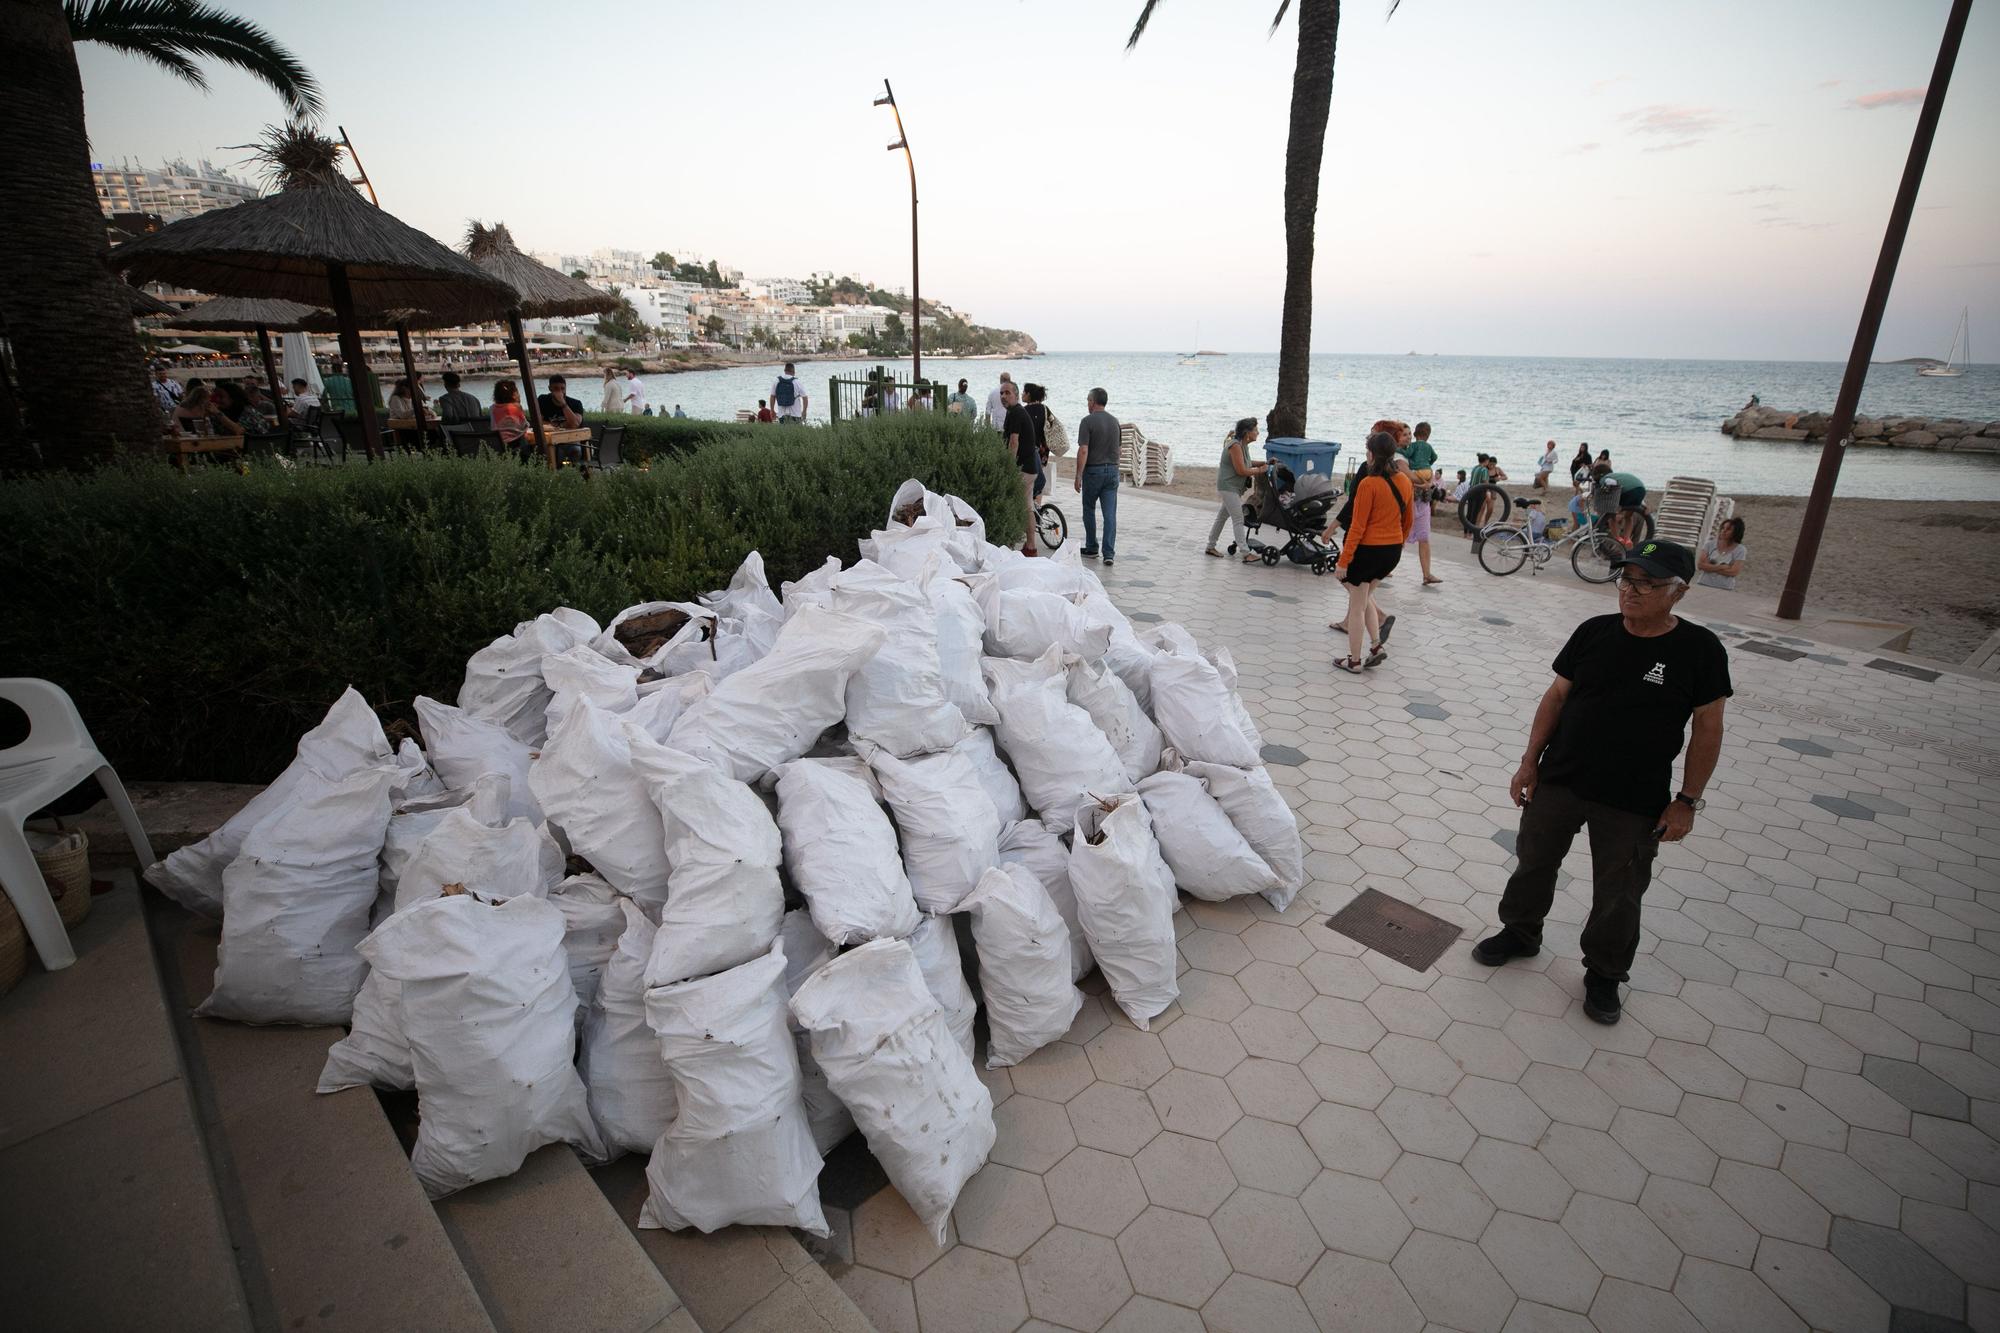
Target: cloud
{"x":1682,"y":126}
{"x":1599,"y":85}
{"x":1891,"y":99}
{"x":1583,"y":148}
{"x":1829,"y":83}
{"x":1790,"y":223}
{"x":1763,"y":189}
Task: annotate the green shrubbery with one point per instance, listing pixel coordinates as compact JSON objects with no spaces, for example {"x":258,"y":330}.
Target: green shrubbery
{"x":203,"y":622}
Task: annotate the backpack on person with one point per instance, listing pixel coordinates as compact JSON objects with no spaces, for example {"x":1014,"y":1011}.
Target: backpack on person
{"x":787,"y":391}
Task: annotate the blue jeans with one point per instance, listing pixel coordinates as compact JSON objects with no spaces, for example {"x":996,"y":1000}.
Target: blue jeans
{"x":1100,"y":486}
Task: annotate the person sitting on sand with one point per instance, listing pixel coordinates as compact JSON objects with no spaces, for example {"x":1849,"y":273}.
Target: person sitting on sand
{"x":1721,"y":561}
{"x":1232,"y":476}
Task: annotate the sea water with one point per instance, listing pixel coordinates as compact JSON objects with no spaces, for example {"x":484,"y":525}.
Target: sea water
{"x":1659,"y":419}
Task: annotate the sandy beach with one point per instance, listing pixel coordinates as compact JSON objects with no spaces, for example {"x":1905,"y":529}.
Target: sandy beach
{"x":1931,"y":564}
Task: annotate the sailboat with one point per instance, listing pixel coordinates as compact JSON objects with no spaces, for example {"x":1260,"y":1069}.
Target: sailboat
{"x":1188,"y":358}
{"x":1961,"y":342}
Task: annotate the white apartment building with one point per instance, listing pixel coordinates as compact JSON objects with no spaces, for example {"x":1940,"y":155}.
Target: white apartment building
{"x":791,"y":291}
{"x":174,"y":191}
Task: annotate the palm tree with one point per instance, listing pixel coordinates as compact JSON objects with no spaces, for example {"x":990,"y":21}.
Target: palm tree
{"x":64,"y":314}
{"x":1312,"y":99}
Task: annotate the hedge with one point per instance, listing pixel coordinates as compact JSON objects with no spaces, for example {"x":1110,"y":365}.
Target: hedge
{"x":202,"y":623}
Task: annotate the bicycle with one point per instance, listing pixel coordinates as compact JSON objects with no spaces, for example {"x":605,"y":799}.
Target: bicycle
{"x":1051,"y":528}
{"x":1505,"y":550}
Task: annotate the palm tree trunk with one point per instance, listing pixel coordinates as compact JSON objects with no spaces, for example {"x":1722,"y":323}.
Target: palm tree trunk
{"x":82,"y":377}
{"x":1312,"y":99}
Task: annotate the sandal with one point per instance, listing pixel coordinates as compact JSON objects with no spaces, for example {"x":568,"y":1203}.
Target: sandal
{"x":1388,"y":623}
{"x":1376,"y":657}
{"x":1351,"y":665}
{"x":1212,"y":551}
{"x":1252,"y":558}
{"x":1429,"y":580}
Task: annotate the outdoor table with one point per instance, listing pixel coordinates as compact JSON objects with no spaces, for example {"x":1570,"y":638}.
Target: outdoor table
{"x":180,"y":446}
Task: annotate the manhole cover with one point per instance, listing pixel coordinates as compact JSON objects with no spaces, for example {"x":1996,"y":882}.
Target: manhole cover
{"x":1763,"y":649}
{"x":1904,"y":669}
{"x":1410,"y":935}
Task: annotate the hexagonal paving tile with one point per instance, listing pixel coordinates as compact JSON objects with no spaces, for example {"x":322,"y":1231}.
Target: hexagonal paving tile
{"x":1438,"y":1196}
{"x":1267,"y":1236}
{"x":1128,"y":1057}
{"x":1173,"y":1256}
{"x":1540,"y":1261}
{"x":1454,"y":1283}
{"x":972,"y":1290}
{"x":1345,"y":1291}
{"x":1269,"y":1156}
{"x":1055,"y":1073}
{"x":1347,"y":1138}
{"x":1696,"y":1220}
{"x":1203,"y":1045}
{"x":1113,"y":1118}
{"x":1274,"y":1034}
{"x":1186,"y":1174}
{"x":1425,"y":1123}
{"x":1348,"y":1077}
{"x":1621,"y":1240}
{"x":1355,"y":1215}
{"x":1002,"y":1210}
{"x":1271,"y":1090}
{"x":889,"y":1236}
{"x":1197,"y":1104}
{"x":1074,"y":1279}
{"x":1499,"y":1110}
{"x":1094,"y":1190}
{"x":1031,"y":1134}
{"x":1518,"y":1179}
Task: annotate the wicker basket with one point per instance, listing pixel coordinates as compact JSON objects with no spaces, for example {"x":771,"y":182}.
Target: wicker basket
{"x":66,"y":867}
{"x":13,"y":946}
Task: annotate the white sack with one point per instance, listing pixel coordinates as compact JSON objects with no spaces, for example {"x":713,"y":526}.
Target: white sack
{"x":661,"y":702}
{"x":464,"y":748}
{"x":1098,"y":691}
{"x":416,"y":780}
{"x":631,"y":1094}
{"x":1225,"y":667}
{"x":1056,"y":575}
{"x":584,"y":673}
{"x":1024,"y":964}
{"x":1058,"y":752}
{"x":907,"y":552}
{"x":887,"y":1051}
{"x":587,"y":784}
{"x":739,"y":1149}
{"x":949,"y":827}
{"x":968,"y":529}
{"x":806,"y":951}
{"x":696,"y":646}
{"x":1260,"y":813}
{"x":1025,"y":623}
{"x":593,"y":921}
{"x":503,"y":681}
{"x":413,"y":821}
{"x":490,"y":1017}
{"x":1196,"y":711}
{"x":994,"y":775}
{"x":935,"y":943}
{"x":725,"y":900}
{"x":348,"y":738}
{"x":1029,"y":843}
{"x":1170,"y":636}
{"x":749,"y":601}
{"x":773,"y":711}
{"x":961,"y":642}
{"x":1125,"y":897}
{"x":1199,"y":843}
{"x":296,"y":902}
{"x":814,"y":589}
{"x":1131,"y":659}
{"x":896,"y":698}
{"x":841,"y":851}
{"x":515,"y":860}
{"x":374,"y":1053}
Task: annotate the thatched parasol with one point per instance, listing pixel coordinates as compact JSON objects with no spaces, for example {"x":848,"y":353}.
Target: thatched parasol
{"x":145,"y":304}
{"x":242,"y":314}
{"x":316,"y":241}
{"x":540,"y":292}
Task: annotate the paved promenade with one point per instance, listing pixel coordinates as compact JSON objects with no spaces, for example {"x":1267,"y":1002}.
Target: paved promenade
{"x":1794,"y":1126}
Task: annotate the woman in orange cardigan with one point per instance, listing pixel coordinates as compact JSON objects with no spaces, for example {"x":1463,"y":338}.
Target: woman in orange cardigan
{"x":1383,"y":511}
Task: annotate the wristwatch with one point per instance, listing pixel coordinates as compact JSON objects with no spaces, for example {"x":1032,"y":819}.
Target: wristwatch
{"x":1694,"y":803}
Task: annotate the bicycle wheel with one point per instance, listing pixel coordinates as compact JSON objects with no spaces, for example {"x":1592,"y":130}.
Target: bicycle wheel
{"x":1504,"y":550}
{"x":1475,"y":500}
{"x":1051,"y":528}
{"x":1592,"y":557}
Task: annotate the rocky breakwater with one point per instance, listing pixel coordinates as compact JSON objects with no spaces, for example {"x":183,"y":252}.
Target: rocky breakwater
{"x":1951,"y":434}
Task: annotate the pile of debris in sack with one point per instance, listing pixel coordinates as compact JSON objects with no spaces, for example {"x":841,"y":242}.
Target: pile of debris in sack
{"x":564,"y":917}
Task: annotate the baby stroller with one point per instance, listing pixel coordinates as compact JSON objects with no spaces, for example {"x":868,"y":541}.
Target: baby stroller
{"x":1299,"y":507}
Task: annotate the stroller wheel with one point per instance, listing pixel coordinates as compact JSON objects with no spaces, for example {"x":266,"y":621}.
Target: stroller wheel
{"x":1270,"y":555}
{"x":1319,"y":566}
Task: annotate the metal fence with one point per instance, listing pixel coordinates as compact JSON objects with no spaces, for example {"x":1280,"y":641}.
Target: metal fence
{"x":864,"y":395}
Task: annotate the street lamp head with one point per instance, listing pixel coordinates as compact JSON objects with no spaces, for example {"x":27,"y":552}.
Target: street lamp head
{"x":900,"y":143}
{"x":885,"y":101}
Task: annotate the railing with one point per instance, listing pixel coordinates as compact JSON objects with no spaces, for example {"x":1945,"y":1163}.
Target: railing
{"x":865,"y":395}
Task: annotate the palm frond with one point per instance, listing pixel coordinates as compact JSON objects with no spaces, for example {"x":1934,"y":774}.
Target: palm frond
{"x":1139,"y":28}
{"x":296,"y":155}
{"x":171,"y":61}
{"x":1284,"y":6}
{"x":1392,"y":10}
{"x":188,"y":30}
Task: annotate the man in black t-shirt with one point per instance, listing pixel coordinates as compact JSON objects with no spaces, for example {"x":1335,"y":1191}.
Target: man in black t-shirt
{"x":1017,"y":430}
{"x":1601,"y":757}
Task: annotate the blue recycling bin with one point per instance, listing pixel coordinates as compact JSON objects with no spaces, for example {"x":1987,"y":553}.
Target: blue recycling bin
{"x":1303,"y":457}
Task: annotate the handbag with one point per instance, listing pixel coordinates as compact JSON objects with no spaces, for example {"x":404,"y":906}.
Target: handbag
{"x":1054,"y":436}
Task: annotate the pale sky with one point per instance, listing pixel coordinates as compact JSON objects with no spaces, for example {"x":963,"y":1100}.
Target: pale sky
{"x":1680,"y":178}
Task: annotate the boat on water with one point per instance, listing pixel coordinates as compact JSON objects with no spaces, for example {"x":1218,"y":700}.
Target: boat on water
{"x":1959,"y":357}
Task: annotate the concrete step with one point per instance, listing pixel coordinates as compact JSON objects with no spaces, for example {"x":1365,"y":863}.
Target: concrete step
{"x":741,"y":1279}
{"x":111,"y":1217}
{"x":332,"y":1230}
{"x":546,"y":1251}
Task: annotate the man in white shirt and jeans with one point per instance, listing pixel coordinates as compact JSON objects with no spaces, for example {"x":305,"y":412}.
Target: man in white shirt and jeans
{"x":635,"y":394}
{"x":788,"y":396}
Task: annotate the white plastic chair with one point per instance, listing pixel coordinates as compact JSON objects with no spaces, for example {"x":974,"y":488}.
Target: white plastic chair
{"x":57,"y":755}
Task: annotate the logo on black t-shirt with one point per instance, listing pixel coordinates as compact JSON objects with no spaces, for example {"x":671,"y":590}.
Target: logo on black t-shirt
{"x":1657,"y":676}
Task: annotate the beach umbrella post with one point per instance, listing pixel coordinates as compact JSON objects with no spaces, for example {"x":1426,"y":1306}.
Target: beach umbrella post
{"x":410,"y":373}
{"x":271,"y":371}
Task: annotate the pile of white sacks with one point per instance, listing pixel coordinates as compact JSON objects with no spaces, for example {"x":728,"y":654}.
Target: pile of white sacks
{"x":942,"y":728}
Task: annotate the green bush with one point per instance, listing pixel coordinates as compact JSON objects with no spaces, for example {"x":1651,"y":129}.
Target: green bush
{"x":203,"y":622}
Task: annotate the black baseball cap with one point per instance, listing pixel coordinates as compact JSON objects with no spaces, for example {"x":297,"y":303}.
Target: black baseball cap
{"x":1663,"y":560}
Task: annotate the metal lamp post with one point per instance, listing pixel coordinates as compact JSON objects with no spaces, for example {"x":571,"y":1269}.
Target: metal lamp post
{"x":888,"y":99}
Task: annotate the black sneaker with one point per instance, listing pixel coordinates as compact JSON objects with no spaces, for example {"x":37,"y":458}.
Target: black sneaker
{"x":1497,"y":949}
{"x":1109,"y":562}
{"x":1088,"y":554}
{"x":1232,"y":548}
{"x":1600,"y":998}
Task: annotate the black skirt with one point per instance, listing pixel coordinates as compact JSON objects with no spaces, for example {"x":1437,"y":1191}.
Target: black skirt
{"x":1372,"y":562}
